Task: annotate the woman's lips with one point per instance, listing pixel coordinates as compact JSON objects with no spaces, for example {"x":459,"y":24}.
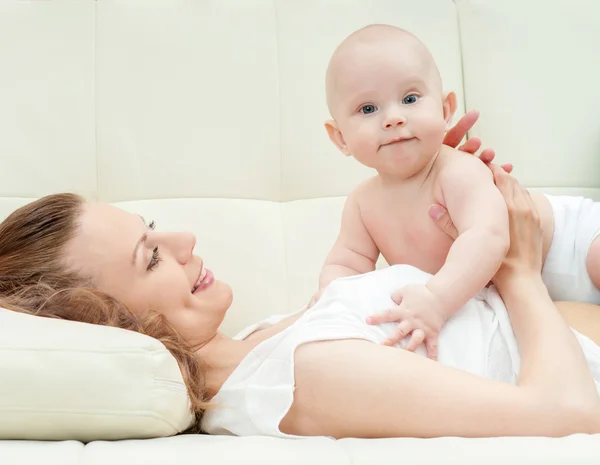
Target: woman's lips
{"x":205,"y":279}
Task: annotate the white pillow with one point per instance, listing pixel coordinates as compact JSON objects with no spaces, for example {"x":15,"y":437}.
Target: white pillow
{"x":68,"y":380}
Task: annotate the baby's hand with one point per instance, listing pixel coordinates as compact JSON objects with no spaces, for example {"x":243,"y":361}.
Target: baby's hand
{"x":419,"y":312}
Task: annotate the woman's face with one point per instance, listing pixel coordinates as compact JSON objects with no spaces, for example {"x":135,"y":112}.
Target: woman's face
{"x":149,"y":270}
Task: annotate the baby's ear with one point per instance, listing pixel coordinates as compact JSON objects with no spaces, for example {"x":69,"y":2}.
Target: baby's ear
{"x":336,"y":136}
{"x":449,"y":105}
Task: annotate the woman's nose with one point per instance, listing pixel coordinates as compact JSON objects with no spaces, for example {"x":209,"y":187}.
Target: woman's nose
{"x":181,"y":245}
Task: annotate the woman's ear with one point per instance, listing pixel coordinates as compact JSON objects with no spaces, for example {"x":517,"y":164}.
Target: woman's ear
{"x":449,"y":105}
{"x":336,"y":136}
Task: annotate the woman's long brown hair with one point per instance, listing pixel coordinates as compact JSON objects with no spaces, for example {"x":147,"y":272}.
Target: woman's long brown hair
{"x":34,"y":279}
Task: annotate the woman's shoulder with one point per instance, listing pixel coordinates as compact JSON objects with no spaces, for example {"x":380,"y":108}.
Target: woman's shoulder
{"x":260,"y":390}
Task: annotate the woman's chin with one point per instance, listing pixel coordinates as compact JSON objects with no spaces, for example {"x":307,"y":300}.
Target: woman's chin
{"x":226,"y":291}
{"x":221,"y":296}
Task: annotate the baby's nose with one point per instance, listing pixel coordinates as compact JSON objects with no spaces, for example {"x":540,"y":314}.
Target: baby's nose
{"x":394,"y":120}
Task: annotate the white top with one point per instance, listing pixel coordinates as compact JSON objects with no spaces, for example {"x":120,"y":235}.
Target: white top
{"x":258,"y":394}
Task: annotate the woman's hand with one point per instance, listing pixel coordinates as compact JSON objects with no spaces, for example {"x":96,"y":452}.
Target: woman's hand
{"x":524,"y":257}
{"x":456,"y":134}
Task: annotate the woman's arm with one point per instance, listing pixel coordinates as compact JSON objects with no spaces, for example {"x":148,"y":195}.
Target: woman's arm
{"x":550,"y":354}
{"x":540,"y":330}
{"x":360,"y":389}
{"x":582,"y":317}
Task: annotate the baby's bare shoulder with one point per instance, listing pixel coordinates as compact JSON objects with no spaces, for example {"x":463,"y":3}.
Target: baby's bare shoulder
{"x":453,"y":163}
{"x":365,"y":190}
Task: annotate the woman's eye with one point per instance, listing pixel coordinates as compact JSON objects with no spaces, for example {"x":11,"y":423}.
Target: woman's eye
{"x":410,"y":99}
{"x":368,"y":109}
{"x":154,"y":260}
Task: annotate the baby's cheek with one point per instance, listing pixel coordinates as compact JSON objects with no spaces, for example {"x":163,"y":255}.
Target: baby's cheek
{"x":435,"y":130}
{"x":363,"y":141}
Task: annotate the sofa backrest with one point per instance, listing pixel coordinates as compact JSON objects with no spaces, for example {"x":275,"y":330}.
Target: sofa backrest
{"x":208,"y":116}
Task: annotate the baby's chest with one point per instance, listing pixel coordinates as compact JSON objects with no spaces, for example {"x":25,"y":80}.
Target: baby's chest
{"x":405,"y":234}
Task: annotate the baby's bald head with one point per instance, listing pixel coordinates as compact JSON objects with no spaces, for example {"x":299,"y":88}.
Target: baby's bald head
{"x":376,"y":44}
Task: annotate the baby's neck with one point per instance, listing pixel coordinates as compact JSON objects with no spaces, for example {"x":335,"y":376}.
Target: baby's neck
{"x":417,"y":178}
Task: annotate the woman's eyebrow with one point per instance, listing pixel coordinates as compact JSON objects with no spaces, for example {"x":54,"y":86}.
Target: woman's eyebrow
{"x":141,"y":240}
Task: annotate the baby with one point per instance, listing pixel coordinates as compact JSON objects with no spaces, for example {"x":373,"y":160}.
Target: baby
{"x":384,"y":93}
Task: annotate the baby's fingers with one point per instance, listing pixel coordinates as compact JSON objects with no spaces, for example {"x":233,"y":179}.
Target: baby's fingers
{"x":431,"y":345}
{"x":416,"y":339}
{"x":403,"y":330}
{"x":388,"y":316}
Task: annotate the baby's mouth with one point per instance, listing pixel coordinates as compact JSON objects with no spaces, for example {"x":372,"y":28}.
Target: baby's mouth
{"x":397,"y":140}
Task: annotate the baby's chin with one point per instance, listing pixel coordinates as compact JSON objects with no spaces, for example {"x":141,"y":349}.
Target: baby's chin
{"x":406,"y":165}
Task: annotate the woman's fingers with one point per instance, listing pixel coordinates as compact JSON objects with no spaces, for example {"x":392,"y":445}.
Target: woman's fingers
{"x":518,"y":200}
{"x":442,"y":220}
{"x":458,"y":133}
{"x":487,"y":156}
{"x":460,"y":129}
{"x":471,"y":146}
{"x":501,"y":178}
{"x":525,"y":251}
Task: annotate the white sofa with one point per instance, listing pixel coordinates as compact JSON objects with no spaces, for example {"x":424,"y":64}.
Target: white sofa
{"x":207,"y":116}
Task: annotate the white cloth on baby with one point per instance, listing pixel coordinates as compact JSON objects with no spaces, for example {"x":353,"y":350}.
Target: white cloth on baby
{"x":478,"y":339}
{"x":576,"y":225}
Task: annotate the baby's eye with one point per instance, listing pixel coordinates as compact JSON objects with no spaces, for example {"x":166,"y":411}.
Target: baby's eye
{"x":410,"y":99}
{"x":368,"y":109}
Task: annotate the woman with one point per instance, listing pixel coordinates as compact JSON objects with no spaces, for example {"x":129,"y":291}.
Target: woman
{"x":62,"y":257}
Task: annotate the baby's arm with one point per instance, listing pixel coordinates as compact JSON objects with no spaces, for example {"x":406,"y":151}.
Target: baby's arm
{"x":480,"y":215}
{"x":354,"y":251}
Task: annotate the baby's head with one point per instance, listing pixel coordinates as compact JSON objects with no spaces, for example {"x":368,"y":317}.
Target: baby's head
{"x":384,"y":93}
